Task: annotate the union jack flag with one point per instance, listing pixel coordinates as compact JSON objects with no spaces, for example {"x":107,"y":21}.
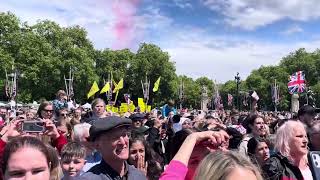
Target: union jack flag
{"x":230,"y":99}
{"x":297,"y":83}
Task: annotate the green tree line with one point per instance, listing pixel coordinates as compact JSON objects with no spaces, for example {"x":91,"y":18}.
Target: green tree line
{"x":45,"y":52}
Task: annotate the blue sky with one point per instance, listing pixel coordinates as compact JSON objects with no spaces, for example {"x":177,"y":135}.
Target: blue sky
{"x":213,"y":38}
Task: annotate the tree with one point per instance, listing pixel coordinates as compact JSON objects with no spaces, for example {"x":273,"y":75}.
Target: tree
{"x":150,"y":61}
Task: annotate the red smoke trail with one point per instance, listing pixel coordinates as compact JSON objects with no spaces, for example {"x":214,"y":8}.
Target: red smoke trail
{"x":124,"y":30}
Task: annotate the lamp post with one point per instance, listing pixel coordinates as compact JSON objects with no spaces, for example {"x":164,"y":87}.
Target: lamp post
{"x":181,"y":93}
{"x":69,"y":85}
{"x":237,"y":79}
{"x":12,"y":87}
{"x":145,"y":90}
{"x":109,"y":93}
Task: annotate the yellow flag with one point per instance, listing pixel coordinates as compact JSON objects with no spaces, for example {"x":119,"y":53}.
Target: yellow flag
{"x":106,"y":88}
{"x":141,"y":104}
{"x":156,"y":85}
{"x":118,"y":86}
{"x":93,"y":90}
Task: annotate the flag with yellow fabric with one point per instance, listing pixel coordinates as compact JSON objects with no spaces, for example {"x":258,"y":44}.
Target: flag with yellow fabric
{"x":106,"y":88}
{"x":118,"y":86}
{"x":93,"y":90}
{"x":156,"y":85}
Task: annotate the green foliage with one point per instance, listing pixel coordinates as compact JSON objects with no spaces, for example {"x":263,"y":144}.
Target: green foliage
{"x":45,"y":52}
{"x":261,"y":80}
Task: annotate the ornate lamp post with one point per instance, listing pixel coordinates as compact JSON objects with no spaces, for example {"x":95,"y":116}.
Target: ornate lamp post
{"x":181,"y":93}
{"x":237,"y":79}
{"x":69,"y":85}
{"x":12,"y":87}
{"x":145,"y":89}
{"x":109,"y":93}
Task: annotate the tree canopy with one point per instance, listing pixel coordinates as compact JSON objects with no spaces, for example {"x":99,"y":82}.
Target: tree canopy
{"x":45,"y":52}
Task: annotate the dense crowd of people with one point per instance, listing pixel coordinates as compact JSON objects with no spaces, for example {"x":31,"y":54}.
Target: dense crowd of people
{"x":59,"y":142}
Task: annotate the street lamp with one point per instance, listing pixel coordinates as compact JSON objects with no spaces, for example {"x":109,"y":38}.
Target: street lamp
{"x":181,"y":93}
{"x":12,"y":87}
{"x":237,"y":79}
{"x":145,"y":89}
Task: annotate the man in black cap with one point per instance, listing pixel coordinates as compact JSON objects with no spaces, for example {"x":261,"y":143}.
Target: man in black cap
{"x":306,"y":115}
{"x":137,"y":120}
{"x":110,"y":136}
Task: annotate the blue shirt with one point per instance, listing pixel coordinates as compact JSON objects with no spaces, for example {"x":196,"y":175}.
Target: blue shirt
{"x":92,"y":160}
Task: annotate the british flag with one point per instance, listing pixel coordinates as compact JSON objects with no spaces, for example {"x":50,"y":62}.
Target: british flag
{"x":297,"y":83}
{"x":230,"y":99}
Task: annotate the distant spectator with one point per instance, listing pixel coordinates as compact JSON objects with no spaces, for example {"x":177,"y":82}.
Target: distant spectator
{"x":61,"y":101}
{"x":167,"y":108}
{"x":314,"y":134}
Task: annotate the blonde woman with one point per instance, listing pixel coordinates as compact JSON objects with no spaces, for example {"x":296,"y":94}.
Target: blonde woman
{"x":291,"y":160}
{"x":226,"y":166}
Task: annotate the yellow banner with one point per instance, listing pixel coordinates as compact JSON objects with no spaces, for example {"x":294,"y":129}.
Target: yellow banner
{"x":141,"y":104}
{"x":115,"y":109}
{"x":108,"y":108}
{"x":123,"y":109}
{"x":132,"y":107}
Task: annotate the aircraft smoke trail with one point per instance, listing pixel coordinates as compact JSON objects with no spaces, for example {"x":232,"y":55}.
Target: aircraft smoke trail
{"x":124,"y":26}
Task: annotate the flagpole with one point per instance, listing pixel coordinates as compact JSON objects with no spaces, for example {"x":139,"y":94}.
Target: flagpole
{"x":115,"y":100}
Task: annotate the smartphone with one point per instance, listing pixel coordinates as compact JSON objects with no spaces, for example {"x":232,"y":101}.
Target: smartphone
{"x":33,"y":126}
{"x":314,"y":163}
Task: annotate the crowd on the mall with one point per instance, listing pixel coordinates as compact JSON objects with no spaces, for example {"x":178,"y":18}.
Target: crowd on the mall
{"x":59,"y":142}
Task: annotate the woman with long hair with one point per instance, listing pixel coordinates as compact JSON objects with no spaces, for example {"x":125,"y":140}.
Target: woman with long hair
{"x":258,"y":150}
{"x":143,"y":157}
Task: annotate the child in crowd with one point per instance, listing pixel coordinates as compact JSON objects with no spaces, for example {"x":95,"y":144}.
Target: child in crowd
{"x":72,"y":160}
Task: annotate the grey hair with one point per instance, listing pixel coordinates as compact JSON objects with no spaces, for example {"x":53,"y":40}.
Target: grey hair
{"x":284,"y":135}
{"x":80,"y":130}
{"x":96,"y":101}
{"x":219,"y":165}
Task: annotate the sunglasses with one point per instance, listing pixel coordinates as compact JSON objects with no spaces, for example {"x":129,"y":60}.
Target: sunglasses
{"x":47,"y":110}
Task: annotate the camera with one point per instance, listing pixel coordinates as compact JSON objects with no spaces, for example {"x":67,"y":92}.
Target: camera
{"x":33,"y":126}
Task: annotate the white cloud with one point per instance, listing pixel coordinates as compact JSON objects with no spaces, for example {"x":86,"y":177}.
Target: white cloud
{"x":250,"y":14}
{"x":292,"y":30}
{"x":182,"y":3}
{"x":220,"y":58}
{"x":195,"y":52}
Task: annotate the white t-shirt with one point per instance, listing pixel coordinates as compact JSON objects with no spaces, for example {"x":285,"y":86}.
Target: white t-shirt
{"x":306,"y":173}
